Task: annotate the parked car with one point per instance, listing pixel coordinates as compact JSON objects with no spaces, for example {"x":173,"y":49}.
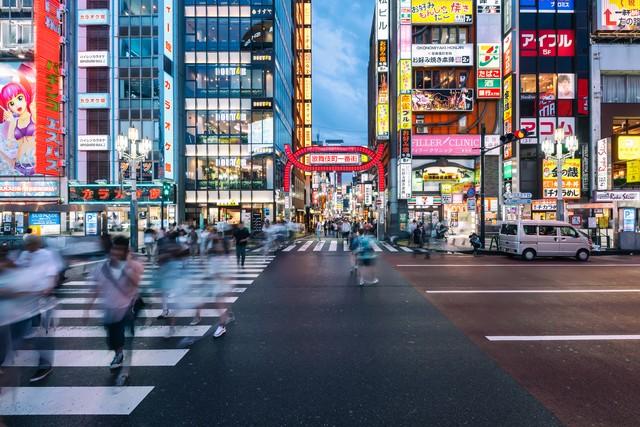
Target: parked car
{"x":531,"y":239}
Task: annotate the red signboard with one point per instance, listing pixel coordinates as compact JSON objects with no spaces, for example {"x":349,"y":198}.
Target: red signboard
{"x":583,"y":97}
{"x":547,"y":43}
{"x":48,"y":126}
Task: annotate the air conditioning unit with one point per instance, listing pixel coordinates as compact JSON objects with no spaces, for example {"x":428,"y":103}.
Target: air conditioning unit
{"x":422,"y":129}
{"x":419,"y":120}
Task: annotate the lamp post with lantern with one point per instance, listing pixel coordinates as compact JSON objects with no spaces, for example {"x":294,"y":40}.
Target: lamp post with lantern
{"x":554,"y":149}
{"x":133,"y":150}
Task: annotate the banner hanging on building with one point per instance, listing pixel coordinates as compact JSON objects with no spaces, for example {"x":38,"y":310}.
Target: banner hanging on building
{"x":442,"y":12}
{"x":45,"y":132}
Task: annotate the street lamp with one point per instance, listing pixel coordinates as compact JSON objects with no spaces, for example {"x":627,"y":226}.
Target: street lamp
{"x":133,"y":150}
{"x":554,"y":150}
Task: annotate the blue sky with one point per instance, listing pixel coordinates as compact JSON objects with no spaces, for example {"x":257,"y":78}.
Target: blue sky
{"x":340,"y":55}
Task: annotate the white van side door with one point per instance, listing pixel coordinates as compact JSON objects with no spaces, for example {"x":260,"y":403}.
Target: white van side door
{"x":548,"y":244}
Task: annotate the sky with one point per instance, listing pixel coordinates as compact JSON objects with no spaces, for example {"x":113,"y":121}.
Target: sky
{"x":340,"y":57}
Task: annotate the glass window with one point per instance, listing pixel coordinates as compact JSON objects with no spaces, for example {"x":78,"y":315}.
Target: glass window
{"x":568,"y":232}
{"x":546,"y":230}
{"x":547,"y":84}
{"x":530,"y":230}
{"x":509,"y":229}
{"x":528,"y":83}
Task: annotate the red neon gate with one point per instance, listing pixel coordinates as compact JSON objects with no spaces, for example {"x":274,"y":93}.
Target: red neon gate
{"x":375,"y":161}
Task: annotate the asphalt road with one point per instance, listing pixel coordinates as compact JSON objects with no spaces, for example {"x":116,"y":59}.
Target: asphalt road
{"x":310,"y":348}
{"x":566,"y":331}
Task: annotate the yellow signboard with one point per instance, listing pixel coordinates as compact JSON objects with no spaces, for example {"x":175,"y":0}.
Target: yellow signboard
{"x":383,"y":121}
{"x":441,"y":12}
{"x":571,"y":174}
{"x":633,"y":171}
{"x":628,"y":147}
{"x":405,"y":112}
{"x":405,"y":76}
{"x":507,"y":104}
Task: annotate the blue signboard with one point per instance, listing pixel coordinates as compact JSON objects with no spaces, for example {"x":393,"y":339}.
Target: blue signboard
{"x":44,"y":218}
{"x":546,"y":6}
{"x":91,"y":224}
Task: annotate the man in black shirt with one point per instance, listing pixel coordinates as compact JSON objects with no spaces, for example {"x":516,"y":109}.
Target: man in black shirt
{"x":241,"y":236}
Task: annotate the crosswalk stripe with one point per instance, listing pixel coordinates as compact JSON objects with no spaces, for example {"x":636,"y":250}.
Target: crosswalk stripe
{"x":319,"y":246}
{"x":289,"y":248}
{"x":375,"y":247}
{"x":305,"y":246}
{"x":156,"y":300}
{"x":406,"y":249}
{"x":71,"y":400}
{"x":333,"y":246}
{"x":141,"y":331}
{"x":389,"y":247}
{"x":143,"y":292}
{"x":153,"y":313}
{"x":98,"y":358}
{"x":345,"y":246}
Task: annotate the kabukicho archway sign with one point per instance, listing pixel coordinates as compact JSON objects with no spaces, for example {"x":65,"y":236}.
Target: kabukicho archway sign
{"x":333,"y":159}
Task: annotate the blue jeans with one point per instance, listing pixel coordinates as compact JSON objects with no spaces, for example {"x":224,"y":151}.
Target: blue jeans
{"x":241,"y":253}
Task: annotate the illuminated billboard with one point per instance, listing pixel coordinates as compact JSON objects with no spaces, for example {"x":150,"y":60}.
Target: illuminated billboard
{"x":442,"y":100}
{"x":441,"y":12}
{"x":618,"y":15}
{"x":547,"y":43}
{"x":571,"y":173}
{"x":49,"y":140}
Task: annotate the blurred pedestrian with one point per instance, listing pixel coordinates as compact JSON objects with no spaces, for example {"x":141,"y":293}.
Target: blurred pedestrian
{"x":117,"y":282}
{"x":192,"y":241}
{"x":241,"y":236}
{"x":366,"y":257}
{"x":319,"y":227}
{"x":45,"y":266}
{"x":150,"y":237}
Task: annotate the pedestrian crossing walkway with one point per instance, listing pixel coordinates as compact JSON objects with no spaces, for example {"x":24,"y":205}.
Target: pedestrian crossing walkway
{"x":339,"y":245}
{"x":79,"y":325}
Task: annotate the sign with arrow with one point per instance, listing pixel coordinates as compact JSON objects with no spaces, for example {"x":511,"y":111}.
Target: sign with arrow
{"x":618,"y":15}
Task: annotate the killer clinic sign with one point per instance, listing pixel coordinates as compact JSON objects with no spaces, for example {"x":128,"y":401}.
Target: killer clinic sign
{"x":48,"y":134}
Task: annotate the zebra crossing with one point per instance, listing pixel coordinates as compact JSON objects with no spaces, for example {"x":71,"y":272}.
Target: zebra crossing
{"x":80,"y":351}
{"x":339,"y":245}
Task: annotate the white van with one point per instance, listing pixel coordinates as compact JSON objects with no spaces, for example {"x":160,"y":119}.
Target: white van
{"x":544,"y":238}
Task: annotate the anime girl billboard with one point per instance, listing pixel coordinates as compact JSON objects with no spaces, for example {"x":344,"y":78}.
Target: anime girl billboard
{"x":17,"y":119}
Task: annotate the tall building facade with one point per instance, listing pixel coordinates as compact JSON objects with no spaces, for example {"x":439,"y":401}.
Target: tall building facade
{"x":238,"y":99}
{"x":615,"y":124}
{"x":118,"y":84}
{"x":33,"y":155}
{"x":435,"y":82}
{"x":547,"y":72}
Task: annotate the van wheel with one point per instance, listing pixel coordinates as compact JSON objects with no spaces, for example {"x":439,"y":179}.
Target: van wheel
{"x":529,"y":255}
{"x":583,"y":255}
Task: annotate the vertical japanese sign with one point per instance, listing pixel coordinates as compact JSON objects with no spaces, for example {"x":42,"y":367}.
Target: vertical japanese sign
{"x":489,"y":81}
{"x":168,"y":91}
{"x":382,"y":42}
{"x":48,"y":138}
{"x":602,"y":164}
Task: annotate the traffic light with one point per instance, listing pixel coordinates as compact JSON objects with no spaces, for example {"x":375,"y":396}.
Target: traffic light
{"x":166,"y":191}
{"x":515,"y":136}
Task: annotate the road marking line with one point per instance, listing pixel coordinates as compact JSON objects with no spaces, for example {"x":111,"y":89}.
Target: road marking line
{"x":305,"y":246}
{"x":576,"y":265}
{"x":157,"y":300}
{"x":535,"y":291}
{"x":333,"y":246}
{"x":146,"y":291}
{"x":563,"y":338}
{"x":375,"y":247}
{"x":319,"y":246}
{"x":389,"y":247}
{"x":141,"y":331}
{"x":98,"y":358}
{"x":406,"y":249}
{"x":289,"y":248}
{"x":152,"y":313}
{"x":71,"y":400}
{"x":345,"y":246}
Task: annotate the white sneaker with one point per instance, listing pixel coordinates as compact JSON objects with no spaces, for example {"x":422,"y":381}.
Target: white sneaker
{"x":361,"y":282}
{"x":374,"y":281}
{"x":195,"y":321}
{"x":169,"y":333}
{"x":220,"y":331}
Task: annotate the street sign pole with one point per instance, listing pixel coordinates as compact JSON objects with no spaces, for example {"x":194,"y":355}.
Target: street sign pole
{"x":482,"y":185}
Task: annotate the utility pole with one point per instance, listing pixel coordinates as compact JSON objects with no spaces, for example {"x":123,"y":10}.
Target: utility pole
{"x":483,"y":131}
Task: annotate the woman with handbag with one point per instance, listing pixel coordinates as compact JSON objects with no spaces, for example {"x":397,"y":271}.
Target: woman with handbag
{"x":117,"y":281}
